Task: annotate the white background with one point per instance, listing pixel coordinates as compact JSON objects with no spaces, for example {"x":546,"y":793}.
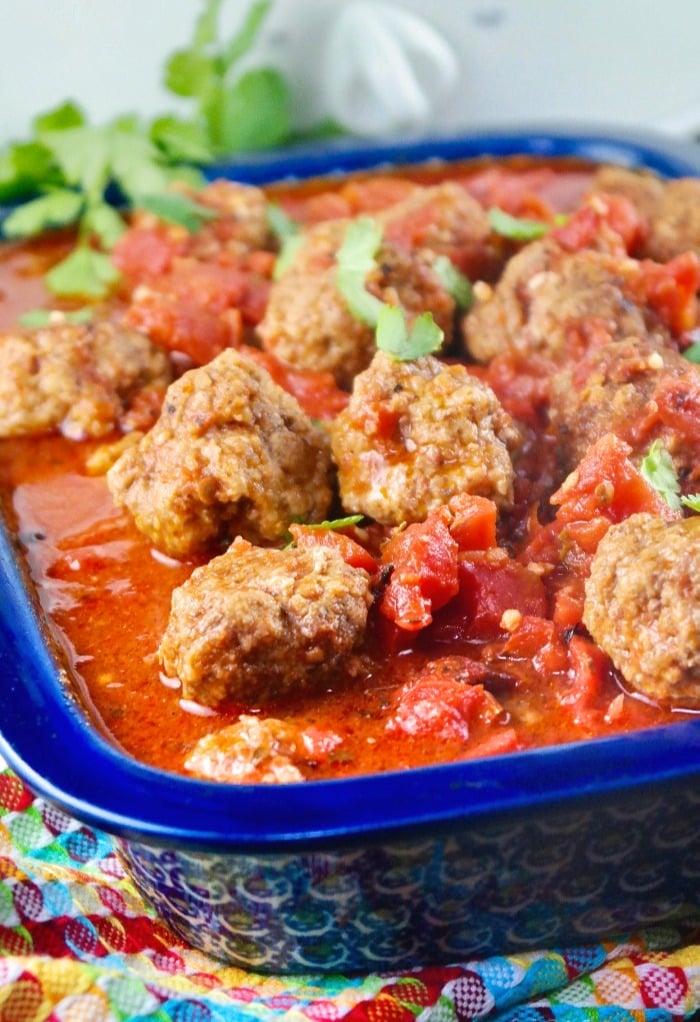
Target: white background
{"x":626,"y":62}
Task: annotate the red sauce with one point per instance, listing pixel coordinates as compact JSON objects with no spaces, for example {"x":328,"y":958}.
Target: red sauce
{"x":107,"y":591}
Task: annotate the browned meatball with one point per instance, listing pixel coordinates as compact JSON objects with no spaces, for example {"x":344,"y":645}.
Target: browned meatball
{"x":642,"y":606}
{"x":308,"y":324}
{"x":447,"y":220}
{"x":675,"y":223}
{"x":671,"y":209}
{"x":415,"y":434}
{"x":79,"y":379}
{"x":254,"y":750}
{"x":240,"y":226}
{"x":642,"y":188}
{"x":555,"y":303}
{"x":614,"y":390}
{"x":256,"y":623}
{"x":232,"y":453}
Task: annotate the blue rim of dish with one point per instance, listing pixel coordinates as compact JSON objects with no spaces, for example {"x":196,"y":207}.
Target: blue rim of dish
{"x":46,"y":737}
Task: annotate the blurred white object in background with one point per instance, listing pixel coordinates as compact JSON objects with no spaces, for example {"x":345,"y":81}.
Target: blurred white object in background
{"x":385,"y":69}
{"x":480,"y":62}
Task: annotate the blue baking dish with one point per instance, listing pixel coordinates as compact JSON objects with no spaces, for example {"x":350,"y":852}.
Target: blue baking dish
{"x":570,"y":843}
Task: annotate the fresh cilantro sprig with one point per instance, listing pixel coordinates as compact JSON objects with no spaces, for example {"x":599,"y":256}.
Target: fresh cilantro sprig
{"x":288,"y":235}
{"x":355,"y":259}
{"x":233,"y":111}
{"x":658,"y":470}
{"x":74,"y":169}
{"x":71,"y":173}
{"x":454,"y":282}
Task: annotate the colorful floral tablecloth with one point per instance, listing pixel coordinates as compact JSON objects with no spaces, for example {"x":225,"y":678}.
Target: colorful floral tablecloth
{"x":77,"y":944}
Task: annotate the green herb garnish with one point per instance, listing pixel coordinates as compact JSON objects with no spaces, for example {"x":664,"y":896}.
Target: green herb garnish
{"x":177,"y":208}
{"x":75,"y":165}
{"x":336,"y":523}
{"x":232,"y":112}
{"x":454,"y":282}
{"x":72,"y":173}
{"x":692,"y":352}
{"x":289,"y":236}
{"x":515,"y":228}
{"x":395,"y":339}
{"x":658,"y":470}
{"x":43,"y":317}
{"x":356,"y":259}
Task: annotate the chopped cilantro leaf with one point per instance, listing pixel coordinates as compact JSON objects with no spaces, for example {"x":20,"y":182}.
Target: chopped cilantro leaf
{"x":337,"y":523}
{"x":394,"y":337}
{"x":42,"y":317}
{"x":177,"y":208}
{"x":57,"y":208}
{"x":84,"y":272}
{"x":454,"y":282}
{"x":692,"y":352}
{"x":515,"y":228}
{"x":356,"y":259}
{"x":658,"y":470}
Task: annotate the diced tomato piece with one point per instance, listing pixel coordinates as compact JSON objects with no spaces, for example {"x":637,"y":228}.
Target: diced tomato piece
{"x":587,"y":671}
{"x":376,"y":193}
{"x":143,"y":253}
{"x":438,"y":705}
{"x":678,"y":403}
{"x":333,"y":539}
{"x":473,"y":525}
{"x":424,"y":576}
{"x":188,"y":327}
{"x":612,"y":218}
{"x":670,"y":289}
{"x":315,"y":390}
{"x":538,"y":640}
{"x":568,"y":604}
{"x":487,"y":588}
{"x":606,"y":483}
{"x":522,"y":386}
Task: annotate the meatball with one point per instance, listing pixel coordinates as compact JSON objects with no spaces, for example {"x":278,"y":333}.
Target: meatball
{"x":618,"y":389}
{"x":555,"y":304}
{"x":308,"y":324}
{"x":78,"y":378}
{"x":642,"y":606}
{"x":674,"y":226}
{"x":238,"y":226}
{"x":447,"y":220}
{"x":671,"y":209}
{"x":415,"y":434}
{"x":254,"y":750}
{"x":255,"y":623}
{"x":242,"y":224}
{"x":643,"y":188}
{"x":232,"y":453}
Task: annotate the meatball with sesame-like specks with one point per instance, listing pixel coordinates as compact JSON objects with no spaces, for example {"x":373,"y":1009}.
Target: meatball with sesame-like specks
{"x":557,"y":304}
{"x":308,"y":323}
{"x":256,"y":623}
{"x":79,"y":379}
{"x":232,"y":453}
{"x":642,"y":605}
{"x":417,"y":433}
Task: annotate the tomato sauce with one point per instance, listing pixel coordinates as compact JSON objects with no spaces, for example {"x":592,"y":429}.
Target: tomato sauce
{"x":106,"y":591}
